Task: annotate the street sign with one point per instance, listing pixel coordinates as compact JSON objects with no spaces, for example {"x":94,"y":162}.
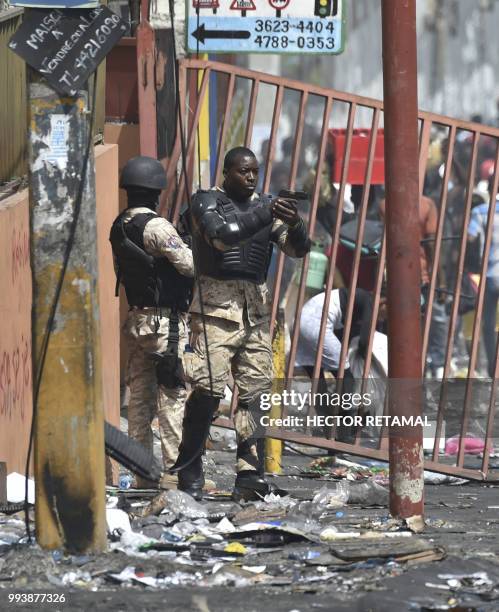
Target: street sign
{"x":266,"y":26}
{"x":243,"y":6}
{"x":206,"y":4}
{"x":66,"y":46}
{"x":279,"y":5}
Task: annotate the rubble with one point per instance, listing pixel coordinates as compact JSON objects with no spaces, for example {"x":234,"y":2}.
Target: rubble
{"x":325,"y":537}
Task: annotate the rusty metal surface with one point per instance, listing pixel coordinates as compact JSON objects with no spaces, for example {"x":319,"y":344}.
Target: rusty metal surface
{"x":146,"y":79}
{"x":330,"y":108}
{"x":121,"y":84}
{"x":403,"y":236}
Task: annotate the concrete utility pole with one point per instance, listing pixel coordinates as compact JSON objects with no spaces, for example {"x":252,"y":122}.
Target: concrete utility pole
{"x":69,"y":429}
{"x":403,"y":253}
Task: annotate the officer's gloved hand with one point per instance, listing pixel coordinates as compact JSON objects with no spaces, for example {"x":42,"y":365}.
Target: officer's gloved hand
{"x":286,"y":210}
{"x":169,"y":370}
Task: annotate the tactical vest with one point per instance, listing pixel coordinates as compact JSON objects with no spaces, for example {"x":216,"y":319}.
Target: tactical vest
{"x":248,"y":261}
{"x":149,"y":281}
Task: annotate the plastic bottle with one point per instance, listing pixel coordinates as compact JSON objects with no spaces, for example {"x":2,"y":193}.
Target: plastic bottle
{"x":317,"y":267}
{"x":125,"y":481}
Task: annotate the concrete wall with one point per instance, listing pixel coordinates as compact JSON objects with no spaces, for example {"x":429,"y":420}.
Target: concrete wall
{"x":126,"y":136}
{"x":15,"y":311}
{"x":106,"y":188}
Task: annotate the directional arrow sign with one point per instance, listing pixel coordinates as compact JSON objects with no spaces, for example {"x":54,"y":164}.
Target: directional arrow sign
{"x":265,"y":26}
{"x":201,"y":34}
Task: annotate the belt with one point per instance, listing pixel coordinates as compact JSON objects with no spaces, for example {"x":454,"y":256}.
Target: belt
{"x":160,"y":310}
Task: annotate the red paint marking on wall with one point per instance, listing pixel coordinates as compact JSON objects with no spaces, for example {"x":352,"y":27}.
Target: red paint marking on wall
{"x":20,"y":252}
{"x":15,"y":379}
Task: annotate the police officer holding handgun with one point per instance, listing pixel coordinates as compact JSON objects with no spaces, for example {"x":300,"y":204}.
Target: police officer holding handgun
{"x":233,"y":230}
{"x":156,"y":268}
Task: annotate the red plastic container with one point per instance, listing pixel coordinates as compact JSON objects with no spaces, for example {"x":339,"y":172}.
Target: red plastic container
{"x":358,"y":156}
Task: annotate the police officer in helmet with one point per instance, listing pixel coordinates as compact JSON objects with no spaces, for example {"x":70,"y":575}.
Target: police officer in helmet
{"x":233,"y":232}
{"x":156,"y":268}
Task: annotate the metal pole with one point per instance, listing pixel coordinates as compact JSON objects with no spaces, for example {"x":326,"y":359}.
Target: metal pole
{"x":69,"y":422}
{"x":403,"y":253}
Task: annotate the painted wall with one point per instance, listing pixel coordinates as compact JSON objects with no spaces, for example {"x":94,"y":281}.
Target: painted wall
{"x":15,"y":331}
{"x":126,"y":136}
{"x":107,"y":203}
{"x":15,"y":311}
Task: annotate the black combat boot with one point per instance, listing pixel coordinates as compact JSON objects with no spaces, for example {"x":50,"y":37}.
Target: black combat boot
{"x":250,"y":484}
{"x":199,"y":411}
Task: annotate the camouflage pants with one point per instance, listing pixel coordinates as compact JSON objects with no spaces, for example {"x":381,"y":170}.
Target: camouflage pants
{"x":246,"y":353}
{"x":148,"y":399}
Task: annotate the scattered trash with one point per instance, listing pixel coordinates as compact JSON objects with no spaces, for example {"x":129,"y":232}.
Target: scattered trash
{"x":128,"y":573}
{"x":225,"y":526}
{"x":131,"y":542}
{"x":234,"y":576}
{"x":304,"y":555}
{"x":74,"y":578}
{"x":476,"y":579}
{"x":331,"y":533}
{"x":260,"y":512}
{"x":328,"y":533}
{"x":334,"y":468}
{"x":283,"y":502}
{"x":16,"y":484}
{"x":222,"y":438}
{"x":269,"y":534}
{"x":415,"y":523}
{"x":368,"y":493}
{"x":472,"y":445}
{"x":255,"y":569}
{"x":117,"y":519}
{"x":177,"y":502}
{"x":125,"y":481}
{"x":435,"y":478}
{"x":333,"y":498}
{"x":236,"y":547}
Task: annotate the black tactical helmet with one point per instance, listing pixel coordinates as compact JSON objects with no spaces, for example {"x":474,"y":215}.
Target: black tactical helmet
{"x":143,"y":171}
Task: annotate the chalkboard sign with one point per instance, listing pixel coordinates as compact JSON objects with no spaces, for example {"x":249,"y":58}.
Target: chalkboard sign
{"x":67,"y":45}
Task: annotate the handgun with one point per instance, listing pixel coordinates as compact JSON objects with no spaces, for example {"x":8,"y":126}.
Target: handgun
{"x":293,"y":195}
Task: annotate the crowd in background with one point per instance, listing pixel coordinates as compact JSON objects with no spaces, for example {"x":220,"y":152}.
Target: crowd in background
{"x":454,"y":226}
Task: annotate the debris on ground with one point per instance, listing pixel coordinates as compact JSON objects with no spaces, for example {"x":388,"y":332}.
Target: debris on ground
{"x":333,"y":536}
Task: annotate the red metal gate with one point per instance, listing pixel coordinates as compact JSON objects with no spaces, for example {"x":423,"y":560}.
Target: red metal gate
{"x":273,"y":104}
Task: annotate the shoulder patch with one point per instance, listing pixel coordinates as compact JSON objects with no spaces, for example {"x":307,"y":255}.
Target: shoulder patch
{"x":174,"y":243}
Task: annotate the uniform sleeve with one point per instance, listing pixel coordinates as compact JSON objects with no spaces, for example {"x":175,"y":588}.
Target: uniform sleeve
{"x":162,"y":240}
{"x":293,"y":241}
